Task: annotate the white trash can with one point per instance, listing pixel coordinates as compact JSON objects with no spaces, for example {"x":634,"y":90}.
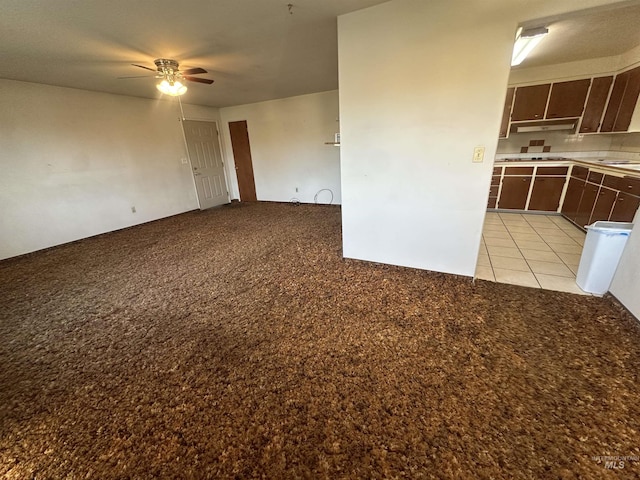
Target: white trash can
{"x":600,"y":255}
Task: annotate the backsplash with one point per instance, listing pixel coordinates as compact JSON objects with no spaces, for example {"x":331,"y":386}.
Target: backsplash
{"x":555,"y":144}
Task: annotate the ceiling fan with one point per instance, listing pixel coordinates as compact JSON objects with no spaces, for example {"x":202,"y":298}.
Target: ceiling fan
{"x":172,"y":77}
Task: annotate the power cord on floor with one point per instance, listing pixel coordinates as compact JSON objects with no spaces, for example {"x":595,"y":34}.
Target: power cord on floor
{"x":315,"y":198}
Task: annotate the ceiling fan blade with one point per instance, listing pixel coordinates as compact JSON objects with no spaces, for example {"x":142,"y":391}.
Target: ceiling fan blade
{"x":146,"y":68}
{"x":137,"y":76}
{"x":193,"y":71}
{"x":199,"y":80}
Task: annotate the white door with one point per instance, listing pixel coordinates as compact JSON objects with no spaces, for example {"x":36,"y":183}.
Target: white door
{"x":206,"y":163}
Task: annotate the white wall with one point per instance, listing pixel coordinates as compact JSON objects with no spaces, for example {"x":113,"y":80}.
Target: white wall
{"x":626,"y":281}
{"x":74,"y":162}
{"x":422,"y":84}
{"x":287,"y":147}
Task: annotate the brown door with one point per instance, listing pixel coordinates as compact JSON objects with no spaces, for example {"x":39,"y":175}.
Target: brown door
{"x":242,"y":157}
{"x":530,"y":102}
{"x":504,"y":126}
{"x":625,"y":208}
{"x":546,"y":193}
{"x":586,"y":204}
{"x":595,"y":104}
{"x":567,"y":98}
{"x":514,"y":193}
{"x":629,"y":100}
{"x":615,"y":100}
{"x":604,"y":204}
{"x":572,"y":198}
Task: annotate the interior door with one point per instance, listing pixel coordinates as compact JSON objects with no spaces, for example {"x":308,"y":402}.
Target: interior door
{"x":206,"y":163}
{"x":242,"y":156}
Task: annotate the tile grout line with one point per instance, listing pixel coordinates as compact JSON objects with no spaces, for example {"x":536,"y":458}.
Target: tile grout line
{"x":542,"y":238}
{"x":520,"y":251}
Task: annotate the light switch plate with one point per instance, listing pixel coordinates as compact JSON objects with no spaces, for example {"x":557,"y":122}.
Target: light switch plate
{"x":478,"y":154}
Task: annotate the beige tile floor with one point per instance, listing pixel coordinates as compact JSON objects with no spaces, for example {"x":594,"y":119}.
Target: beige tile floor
{"x":540,"y":251}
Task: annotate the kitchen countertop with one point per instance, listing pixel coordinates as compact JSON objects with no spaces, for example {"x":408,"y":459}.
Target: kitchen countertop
{"x":608,"y":164}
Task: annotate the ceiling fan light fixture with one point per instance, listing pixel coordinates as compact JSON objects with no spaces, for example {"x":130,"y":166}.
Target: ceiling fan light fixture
{"x":173,"y":89}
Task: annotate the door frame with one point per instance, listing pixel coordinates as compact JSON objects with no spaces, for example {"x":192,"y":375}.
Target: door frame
{"x":223,"y":158}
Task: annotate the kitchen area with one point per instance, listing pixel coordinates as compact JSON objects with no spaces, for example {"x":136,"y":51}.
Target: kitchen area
{"x":568,"y":156}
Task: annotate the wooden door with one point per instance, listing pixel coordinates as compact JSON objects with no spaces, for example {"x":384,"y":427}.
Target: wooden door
{"x":546,"y":193}
{"x":242,"y":157}
{"x":515,"y":191}
{"x":206,"y":163}
{"x":506,"y":111}
{"x":615,"y":100}
{"x":628,"y":103}
{"x":572,"y":198}
{"x":604,"y":204}
{"x":625,"y":208}
{"x":586,"y":204}
{"x":567,"y":98}
{"x":530,"y":102}
{"x":595,"y":104}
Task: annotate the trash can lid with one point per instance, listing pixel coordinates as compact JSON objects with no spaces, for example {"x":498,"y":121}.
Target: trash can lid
{"x":611,"y":227}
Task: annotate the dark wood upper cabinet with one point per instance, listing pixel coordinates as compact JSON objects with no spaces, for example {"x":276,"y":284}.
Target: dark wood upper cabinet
{"x":629,"y":100}
{"x":530,"y":102}
{"x":504,"y":126}
{"x":619,"y":86}
{"x":567,"y":98}
{"x":595,"y":104}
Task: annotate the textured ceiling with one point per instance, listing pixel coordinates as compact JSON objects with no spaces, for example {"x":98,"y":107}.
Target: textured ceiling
{"x":587,"y":34}
{"x":255,"y":50}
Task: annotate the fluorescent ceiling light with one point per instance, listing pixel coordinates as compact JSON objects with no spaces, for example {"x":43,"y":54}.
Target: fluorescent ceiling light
{"x":526,"y":41}
{"x":171,"y":88}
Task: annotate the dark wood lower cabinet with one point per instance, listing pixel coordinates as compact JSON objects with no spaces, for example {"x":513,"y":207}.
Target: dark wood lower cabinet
{"x":604,"y":204}
{"x":587,"y":202}
{"x":625,"y":208}
{"x":572,"y":198}
{"x":514,"y":193}
{"x":546,"y":193}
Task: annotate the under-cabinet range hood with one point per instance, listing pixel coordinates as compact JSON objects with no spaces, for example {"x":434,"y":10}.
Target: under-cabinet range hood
{"x":545,"y":126}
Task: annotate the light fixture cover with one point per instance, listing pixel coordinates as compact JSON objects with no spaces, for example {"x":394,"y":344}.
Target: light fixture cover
{"x":526,"y":41}
{"x":171,"y":88}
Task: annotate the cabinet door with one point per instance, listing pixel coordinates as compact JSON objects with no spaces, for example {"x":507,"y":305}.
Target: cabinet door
{"x":572,"y":198}
{"x":567,"y":98}
{"x":604,"y":204}
{"x":546,"y":193}
{"x":628,"y":103}
{"x":595,"y":104}
{"x":625,"y":208}
{"x":587,"y":202}
{"x":615,"y":100}
{"x":514,"y":193}
{"x":530,"y":102}
{"x":504,"y":126}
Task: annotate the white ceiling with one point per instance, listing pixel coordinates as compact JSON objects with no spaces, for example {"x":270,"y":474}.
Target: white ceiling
{"x":255,"y":50}
{"x":599,"y":32}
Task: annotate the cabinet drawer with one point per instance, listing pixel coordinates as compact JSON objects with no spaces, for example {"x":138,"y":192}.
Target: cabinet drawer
{"x":493,"y":191}
{"x":595,"y":177}
{"x":497,"y":170}
{"x":612,"y":181}
{"x":629,"y":185}
{"x":495,"y":180}
{"x":492,"y":202}
{"x":579,"y":172}
{"x":518,"y":171}
{"x":555,"y":171}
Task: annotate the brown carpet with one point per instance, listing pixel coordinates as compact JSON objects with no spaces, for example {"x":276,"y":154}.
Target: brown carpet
{"x":237,"y":343}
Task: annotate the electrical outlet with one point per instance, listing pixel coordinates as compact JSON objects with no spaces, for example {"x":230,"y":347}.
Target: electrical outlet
{"x":133,"y":209}
{"x":478,"y":154}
